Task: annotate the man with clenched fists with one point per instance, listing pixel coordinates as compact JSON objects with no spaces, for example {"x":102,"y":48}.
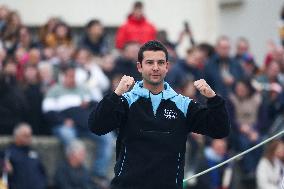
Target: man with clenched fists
{"x":153,"y":123}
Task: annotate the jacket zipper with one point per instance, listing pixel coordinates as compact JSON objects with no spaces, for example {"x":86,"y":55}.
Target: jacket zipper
{"x":158,"y":105}
{"x":121,"y":167}
{"x":178,"y":167}
{"x":153,"y":131}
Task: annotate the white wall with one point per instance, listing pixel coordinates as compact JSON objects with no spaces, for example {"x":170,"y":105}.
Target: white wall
{"x":255,"y":20}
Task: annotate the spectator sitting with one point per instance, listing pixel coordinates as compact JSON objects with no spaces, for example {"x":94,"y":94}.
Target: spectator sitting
{"x":61,"y":35}
{"x":3,"y":55}
{"x":213,"y":155}
{"x":90,"y":74}
{"x":72,"y":174}
{"x":23,"y":165}
{"x":126,"y":64}
{"x":93,"y":39}
{"x":66,"y":104}
{"x":67,"y":107}
{"x":25,"y":39}
{"x":162,"y":36}
{"x":186,"y":68}
{"x":268,"y":172}
{"x":63,"y":57}
{"x":248,"y":119}
{"x":46,"y":76}
{"x":46,"y":31}
{"x":4,"y":12}
{"x":9,"y":34}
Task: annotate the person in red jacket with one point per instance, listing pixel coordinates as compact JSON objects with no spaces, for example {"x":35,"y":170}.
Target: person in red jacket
{"x":136,"y":29}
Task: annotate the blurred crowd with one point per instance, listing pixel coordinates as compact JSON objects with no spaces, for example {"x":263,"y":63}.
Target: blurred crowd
{"x":50,"y":79}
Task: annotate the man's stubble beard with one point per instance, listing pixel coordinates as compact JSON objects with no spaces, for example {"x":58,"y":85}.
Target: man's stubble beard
{"x":151,"y":82}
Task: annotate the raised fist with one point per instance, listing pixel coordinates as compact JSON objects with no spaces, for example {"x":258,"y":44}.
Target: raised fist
{"x":204,"y":88}
{"x":124,"y":85}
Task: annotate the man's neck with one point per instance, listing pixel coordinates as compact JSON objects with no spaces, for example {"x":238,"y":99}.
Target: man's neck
{"x":155,"y":89}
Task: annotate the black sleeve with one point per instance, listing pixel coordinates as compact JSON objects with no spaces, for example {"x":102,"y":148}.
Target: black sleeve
{"x":110,"y":114}
{"x":211,"y":120}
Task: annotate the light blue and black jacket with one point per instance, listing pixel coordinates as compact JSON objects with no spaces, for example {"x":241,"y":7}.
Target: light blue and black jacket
{"x":153,"y":131}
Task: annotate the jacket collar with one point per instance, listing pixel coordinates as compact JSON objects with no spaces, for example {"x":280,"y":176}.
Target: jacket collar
{"x":139,"y":90}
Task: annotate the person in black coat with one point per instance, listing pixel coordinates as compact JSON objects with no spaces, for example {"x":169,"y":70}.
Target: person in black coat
{"x":13,"y":104}
{"x":154,"y":122}
{"x":94,"y":39}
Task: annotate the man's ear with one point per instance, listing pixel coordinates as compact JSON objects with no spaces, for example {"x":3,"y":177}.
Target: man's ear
{"x":167,"y":65}
{"x":139,"y":67}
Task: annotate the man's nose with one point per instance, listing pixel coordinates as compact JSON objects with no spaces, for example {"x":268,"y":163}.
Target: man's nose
{"x":155,"y":66}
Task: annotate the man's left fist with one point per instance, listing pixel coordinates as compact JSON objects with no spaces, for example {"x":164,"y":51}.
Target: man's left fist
{"x":204,"y":88}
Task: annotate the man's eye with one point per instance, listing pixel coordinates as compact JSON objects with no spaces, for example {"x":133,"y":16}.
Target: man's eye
{"x":161,"y":62}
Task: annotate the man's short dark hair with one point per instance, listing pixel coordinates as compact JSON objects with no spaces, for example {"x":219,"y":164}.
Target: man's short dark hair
{"x":69,"y":66}
{"x":92,"y":23}
{"x":152,"y":46}
{"x":138,"y":5}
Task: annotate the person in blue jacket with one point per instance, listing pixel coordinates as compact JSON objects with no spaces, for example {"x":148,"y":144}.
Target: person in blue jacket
{"x":153,"y":123}
{"x":23,"y":164}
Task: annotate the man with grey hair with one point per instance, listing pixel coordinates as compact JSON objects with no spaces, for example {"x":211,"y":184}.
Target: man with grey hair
{"x":72,"y":174}
{"x":23,"y":164}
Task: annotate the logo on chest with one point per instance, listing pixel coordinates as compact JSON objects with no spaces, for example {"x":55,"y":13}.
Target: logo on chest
{"x":170,"y":114}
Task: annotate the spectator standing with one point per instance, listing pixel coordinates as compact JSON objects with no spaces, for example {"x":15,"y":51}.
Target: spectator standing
{"x":221,"y":71}
{"x":137,"y":28}
{"x":13,"y":104}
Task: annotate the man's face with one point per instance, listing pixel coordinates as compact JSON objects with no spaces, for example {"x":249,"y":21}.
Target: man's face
{"x":153,"y":67}
{"x":24,"y":138}
{"x":219,"y":146}
{"x":138,"y":13}
{"x":195,"y":58}
{"x":242,"y":47}
{"x":223,"y":48}
{"x":69,"y":78}
{"x":96,"y":30}
{"x":131,"y":50}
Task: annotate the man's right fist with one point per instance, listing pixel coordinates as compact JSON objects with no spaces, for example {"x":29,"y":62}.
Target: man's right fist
{"x":124,"y":85}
